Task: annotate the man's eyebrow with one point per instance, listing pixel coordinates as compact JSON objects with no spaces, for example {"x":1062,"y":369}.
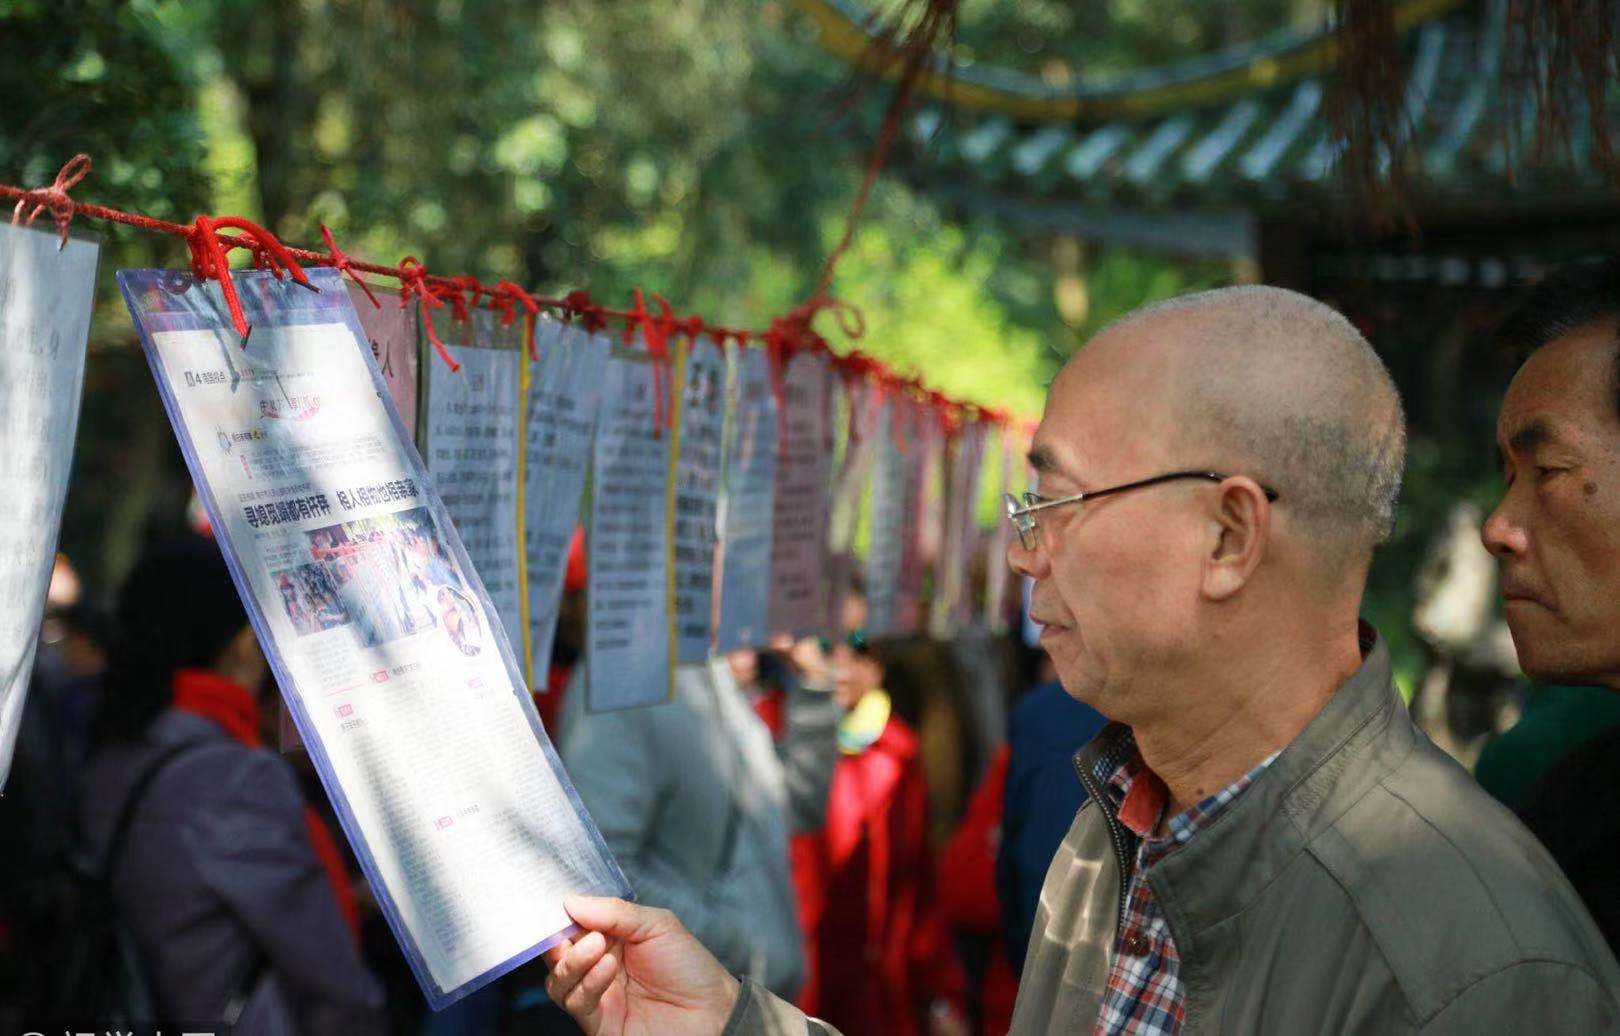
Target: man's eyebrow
{"x":1528,"y":436}
{"x":1041,"y":459}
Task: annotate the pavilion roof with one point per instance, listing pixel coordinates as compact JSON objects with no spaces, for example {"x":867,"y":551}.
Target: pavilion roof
{"x":1247,"y":133}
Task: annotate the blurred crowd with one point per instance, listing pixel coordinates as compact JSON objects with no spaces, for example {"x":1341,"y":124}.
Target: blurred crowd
{"x":827,"y":814}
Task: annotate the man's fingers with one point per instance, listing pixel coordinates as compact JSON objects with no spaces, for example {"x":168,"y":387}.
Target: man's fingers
{"x":613,"y":917}
{"x":586,"y":997}
{"x":556,"y":953}
{"x":574,"y":965}
{"x":600,"y":977}
{"x":580,"y":958}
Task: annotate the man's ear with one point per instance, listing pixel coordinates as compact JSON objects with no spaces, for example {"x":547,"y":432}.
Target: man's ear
{"x":1239,"y":535}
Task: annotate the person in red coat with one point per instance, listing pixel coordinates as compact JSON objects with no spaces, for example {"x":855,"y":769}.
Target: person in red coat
{"x":970,"y":902}
{"x":880,"y":957}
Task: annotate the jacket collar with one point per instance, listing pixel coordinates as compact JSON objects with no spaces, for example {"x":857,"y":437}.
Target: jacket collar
{"x":225,"y":702}
{"x":1359,"y":736}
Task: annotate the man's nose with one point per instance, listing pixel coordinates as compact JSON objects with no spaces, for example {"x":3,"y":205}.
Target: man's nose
{"x":1026,"y":562}
{"x":1502,"y":534}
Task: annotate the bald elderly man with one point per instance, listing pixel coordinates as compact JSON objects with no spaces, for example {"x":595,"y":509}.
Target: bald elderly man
{"x":1269,"y":844}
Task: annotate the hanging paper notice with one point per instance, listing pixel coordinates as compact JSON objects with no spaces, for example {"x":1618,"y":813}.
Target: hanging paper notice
{"x":628,"y":649}
{"x":386,"y":646}
{"x":747,"y":504}
{"x":920,"y":465}
{"x":799,"y":546}
{"x":862,"y":401}
{"x":45,"y":295}
{"x":471,"y":448}
{"x":953,"y":596}
{"x":700,"y":427}
{"x":886,"y":551}
{"x":997,"y":574}
{"x":564,"y":390}
{"x":391,"y":328}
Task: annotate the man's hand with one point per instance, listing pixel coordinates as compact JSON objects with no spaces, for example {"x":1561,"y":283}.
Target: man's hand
{"x":636,"y":971}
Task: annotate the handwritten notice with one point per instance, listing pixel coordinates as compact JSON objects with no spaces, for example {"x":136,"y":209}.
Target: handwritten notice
{"x":391,"y":329}
{"x":997,"y":573}
{"x":399,"y":677}
{"x":886,"y":552}
{"x":920,"y":533}
{"x":862,"y":402}
{"x":45,"y":296}
{"x":799,"y":545}
{"x":747,"y":504}
{"x":628,"y":649}
{"x":700,"y":427}
{"x":954,"y":600}
{"x":471,"y":448}
{"x":564,"y":392}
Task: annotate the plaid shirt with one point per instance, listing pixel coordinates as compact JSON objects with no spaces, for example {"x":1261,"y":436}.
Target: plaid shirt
{"x":1145,"y":996}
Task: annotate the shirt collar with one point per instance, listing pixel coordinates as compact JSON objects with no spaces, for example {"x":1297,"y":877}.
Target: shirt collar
{"x":1140,"y":798}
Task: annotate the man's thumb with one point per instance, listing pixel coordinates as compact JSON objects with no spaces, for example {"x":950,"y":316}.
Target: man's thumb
{"x":614,"y":918}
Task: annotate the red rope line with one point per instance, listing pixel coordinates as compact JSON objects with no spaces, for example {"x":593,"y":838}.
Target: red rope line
{"x":343,"y":264}
{"x":787,"y":335}
{"x":56,"y":195}
{"x":655,"y":332}
{"x":413,"y":283}
{"x":508,"y":294}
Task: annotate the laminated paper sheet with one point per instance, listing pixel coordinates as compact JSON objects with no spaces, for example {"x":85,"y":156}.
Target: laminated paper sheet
{"x":391,"y":330}
{"x":747,"y":504}
{"x":471,"y":446}
{"x":802,"y":507}
{"x":564,"y":392}
{"x":45,"y":296}
{"x":886,"y":551}
{"x":387,"y":648}
{"x":700,"y":427}
{"x":628,"y":597}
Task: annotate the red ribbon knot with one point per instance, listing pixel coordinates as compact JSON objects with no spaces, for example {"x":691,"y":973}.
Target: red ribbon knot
{"x":413,"y":283}
{"x":208,"y":262}
{"x":343,"y":264}
{"x":591,"y":316}
{"x":506,"y":294}
{"x":55,"y":197}
{"x":655,"y":332}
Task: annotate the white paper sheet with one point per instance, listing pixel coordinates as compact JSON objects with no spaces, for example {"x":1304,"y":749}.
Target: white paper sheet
{"x":697,"y":485}
{"x":862,"y":412}
{"x":45,"y":297}
{"x":471,"y":447}
{"x":955,"y":594}
{"x":628,"y":633}
{"x":747,"y":504}
{"x":391,"y":328}
{"x":916,"y":421}
{"x":997,"y":573}
{"x":886,"y":548}
{"x":382,"y":638}
{"x":799,"y":542}
{"x":564,"y":391}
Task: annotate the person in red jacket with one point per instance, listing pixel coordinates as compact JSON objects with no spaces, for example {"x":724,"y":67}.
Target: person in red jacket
{"x":970,"y":901}
{"x":880,"y":956}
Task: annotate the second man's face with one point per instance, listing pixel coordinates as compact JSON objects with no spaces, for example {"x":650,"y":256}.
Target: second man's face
{"x":1556,"y":531}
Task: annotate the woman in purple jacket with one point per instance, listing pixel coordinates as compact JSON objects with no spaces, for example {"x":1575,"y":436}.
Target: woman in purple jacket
{"x":231,"y":888}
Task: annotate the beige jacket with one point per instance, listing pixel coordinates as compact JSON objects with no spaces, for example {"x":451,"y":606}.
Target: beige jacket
{"x":1364,"y":883}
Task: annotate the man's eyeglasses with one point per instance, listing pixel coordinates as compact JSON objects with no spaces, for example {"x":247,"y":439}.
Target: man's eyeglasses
{"x":1022,"y":512}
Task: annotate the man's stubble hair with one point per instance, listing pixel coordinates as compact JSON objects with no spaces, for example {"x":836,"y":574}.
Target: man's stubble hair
{"x":1286,"y":386}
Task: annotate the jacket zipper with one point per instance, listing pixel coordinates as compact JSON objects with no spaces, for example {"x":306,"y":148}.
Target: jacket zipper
{"x":1116,"y":834}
